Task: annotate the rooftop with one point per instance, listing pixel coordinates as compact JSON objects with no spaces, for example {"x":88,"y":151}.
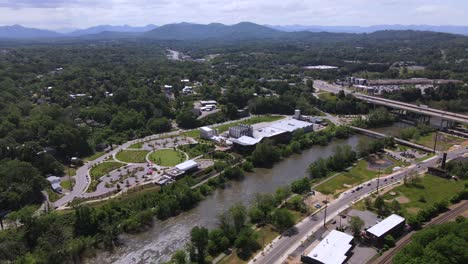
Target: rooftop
{"x":186,"y":165}
{"x":333,"y":248}
{"x":246,"y":140}
{"x":386,"y":225}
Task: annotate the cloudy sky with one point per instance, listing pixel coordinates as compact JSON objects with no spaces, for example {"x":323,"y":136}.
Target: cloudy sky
{"x":54,"y":14}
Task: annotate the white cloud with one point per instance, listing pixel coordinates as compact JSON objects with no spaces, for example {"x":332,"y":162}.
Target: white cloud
{"x":84,"y":13}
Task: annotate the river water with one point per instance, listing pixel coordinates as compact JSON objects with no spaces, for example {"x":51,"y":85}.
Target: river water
{"x":157,"y":244}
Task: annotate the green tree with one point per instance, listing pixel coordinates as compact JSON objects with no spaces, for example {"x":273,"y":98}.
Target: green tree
{"x":356,"y":225}
{"x":300,"y":186}
{"x":282,"y":219}
{"x":199,"y":239}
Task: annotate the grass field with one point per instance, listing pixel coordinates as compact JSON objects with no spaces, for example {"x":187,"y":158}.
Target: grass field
{"x":132,"y":156}
{"x":100,"y":170}
{"x":167,"y":157}
{"x":138,"y":145}
{"x":94,"y":156}
{"x":53,"y":196}
{"x":327,"y":96}
{"x":356,"y":175}
{"x":444,"y":141}
{"x":432,"y":188}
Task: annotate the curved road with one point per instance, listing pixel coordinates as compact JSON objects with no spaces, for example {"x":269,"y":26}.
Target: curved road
{"x":283,"y":246}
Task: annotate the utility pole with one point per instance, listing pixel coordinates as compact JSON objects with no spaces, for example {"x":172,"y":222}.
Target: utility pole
{"x":378,"y":181}
{"x":437,"y":135}
{"x":325,"y":216}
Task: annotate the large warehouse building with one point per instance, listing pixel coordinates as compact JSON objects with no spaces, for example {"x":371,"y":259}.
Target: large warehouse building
{"x":392,"y":225}
{"x":276,"y":130}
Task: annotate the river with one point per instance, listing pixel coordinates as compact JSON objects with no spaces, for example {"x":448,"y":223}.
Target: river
{"x":157,"y":244}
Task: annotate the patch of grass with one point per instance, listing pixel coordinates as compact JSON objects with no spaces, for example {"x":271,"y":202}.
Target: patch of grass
{"x":444,"y":141}
{"x":359,"y":173}
{"x":132,"y":156}
{"x":66,"y":184}
{"x":53,"y":196}
{"x":100,"y":170}
{"x":94,"y":156}
{"x":167,"y":157}
{"x":328,"y":96}
{"x":250,"y":121}
{"x":432,"y":188}
{"x":138,"y":145}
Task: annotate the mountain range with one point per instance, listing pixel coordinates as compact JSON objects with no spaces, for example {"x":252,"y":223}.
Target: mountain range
{"x":190,"y":31}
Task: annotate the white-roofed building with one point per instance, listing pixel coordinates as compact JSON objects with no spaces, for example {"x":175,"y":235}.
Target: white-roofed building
{"x":246,"y":141}
{"x":333,"y":249}
{"x":55,"y":183}
{"x":187,"y":165}
{"x":392,"y":225}
{"x":207,"y":132}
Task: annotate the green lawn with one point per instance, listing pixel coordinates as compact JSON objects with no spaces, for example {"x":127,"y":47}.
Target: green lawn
{"x":167,"y":157}
{"x":444,"y":141}
{"x":327,"y":96}
{"x":53,"y":196}
{"x":432,"y":188}
{"x":138,"y":145}
{"x":94,"y":156}
{"x":356,"y":175}
{"x":66,"y":184}
{"x":100,"y":170}
{"x":132,"y":156}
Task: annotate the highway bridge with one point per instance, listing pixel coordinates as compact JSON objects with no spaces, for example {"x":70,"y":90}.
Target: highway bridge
{"x":444,"y":115}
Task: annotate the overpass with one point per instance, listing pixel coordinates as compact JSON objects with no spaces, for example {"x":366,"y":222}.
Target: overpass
{"x":444,"y":115}
{"x":374,"y":134}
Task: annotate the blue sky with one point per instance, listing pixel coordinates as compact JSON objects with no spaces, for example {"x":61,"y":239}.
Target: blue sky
{"x":54,"y":14}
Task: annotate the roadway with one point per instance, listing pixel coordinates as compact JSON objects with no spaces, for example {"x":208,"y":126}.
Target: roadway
{"x":284,"y":246}
{"x":460,"y":118}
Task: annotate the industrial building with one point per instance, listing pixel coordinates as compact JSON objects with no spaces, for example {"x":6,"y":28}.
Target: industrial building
{"x":240,"y":130}
{"x":392,"y":225}
{"x":279,"y":130}
{"x":333,"y":249}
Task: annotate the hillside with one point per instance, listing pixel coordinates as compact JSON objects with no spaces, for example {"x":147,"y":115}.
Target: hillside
{"x":187,"y":31}
{"x":20,"y":32}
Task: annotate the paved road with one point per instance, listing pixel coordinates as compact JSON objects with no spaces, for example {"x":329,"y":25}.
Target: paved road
{"x":284,"y":246}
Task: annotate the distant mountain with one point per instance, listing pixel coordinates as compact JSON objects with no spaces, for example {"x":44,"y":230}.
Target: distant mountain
{"x":462,"y":30}
{"x":20,"y":32}
{"x":188,"y":31}
{"x":109,"y":28}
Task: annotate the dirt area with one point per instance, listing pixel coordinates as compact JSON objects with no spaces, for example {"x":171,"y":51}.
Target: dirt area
{"x":402,"y":199}
{"x":378,"y":161}
{"x":318,"y":198}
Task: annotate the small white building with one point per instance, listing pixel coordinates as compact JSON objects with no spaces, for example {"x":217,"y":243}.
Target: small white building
{"x":55,"y":183}
{"x":207,"y":132}
{"x":208,"y":102}
{"x":333,"y":249}
{"x":392,"y":225}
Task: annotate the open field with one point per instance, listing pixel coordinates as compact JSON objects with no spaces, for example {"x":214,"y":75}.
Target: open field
{"x":425,"y":193}
{"x":444,"y":141}
{"x":167,"y":157}
{"x":66,"y":184}
{"x":132,"y":156}
{"x":327,"y":96}
{"x":355,"y":175}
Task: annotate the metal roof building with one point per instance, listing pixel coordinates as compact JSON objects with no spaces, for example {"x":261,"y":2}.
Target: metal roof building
{"x":333,"y":249}
{"x":187,"y":165}
{"x":386,"y":226}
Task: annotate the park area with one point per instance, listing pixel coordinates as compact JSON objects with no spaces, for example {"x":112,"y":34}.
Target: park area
{"x":100,"y":170}
{"x":167,"y":157}
{"x":132,"y":156}
{"x":423,"y":192}
{"x":365,"y":169}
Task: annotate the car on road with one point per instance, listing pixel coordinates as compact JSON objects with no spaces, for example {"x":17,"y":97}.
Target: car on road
{"x":318,"y":206}
{"x":333,"y":222}
{"x":369,"y":184}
